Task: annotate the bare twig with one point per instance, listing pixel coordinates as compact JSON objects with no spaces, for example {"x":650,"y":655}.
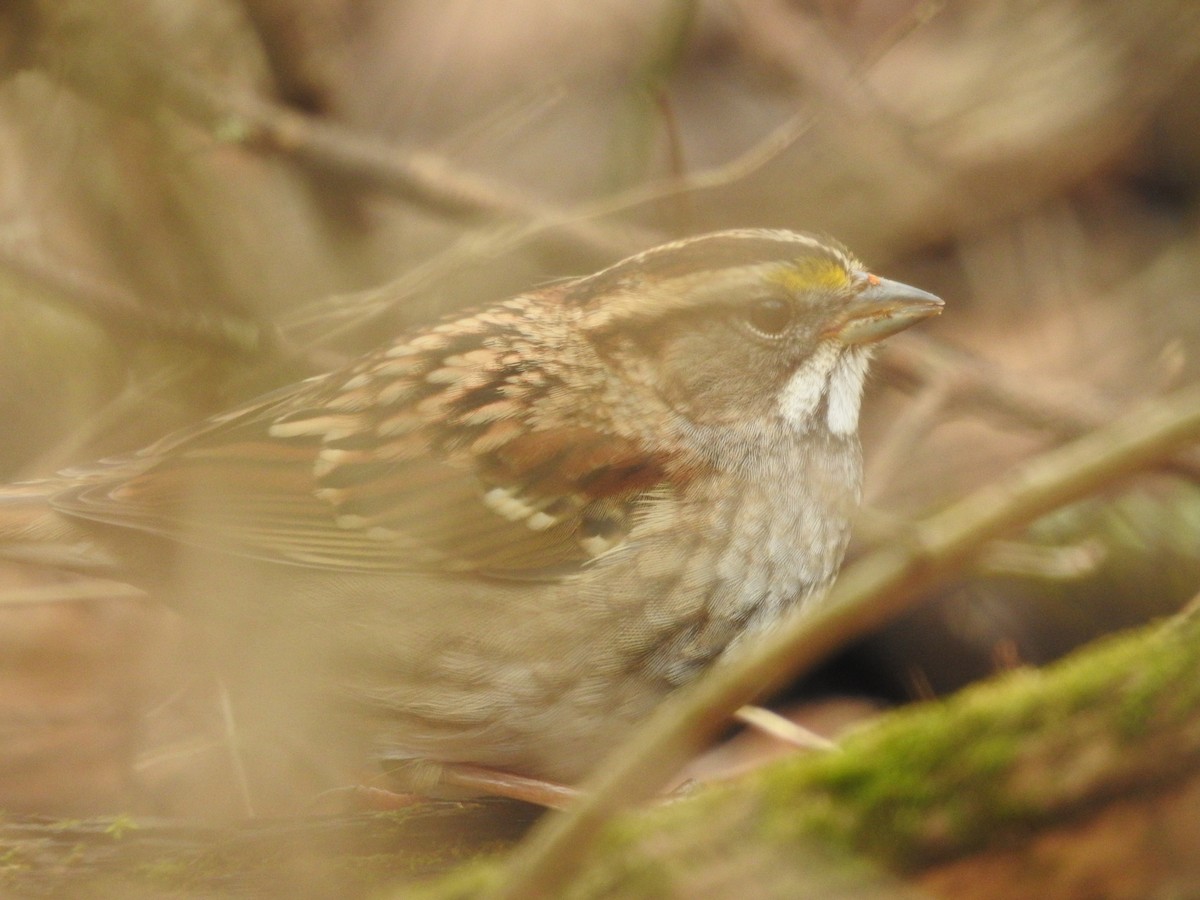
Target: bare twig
{"x":123,"y":312}
{"x":907,"y":431}
{"x":871,"y":592}
{"x":147,"y":77}
{"x":82,"y":588}
{"x":983,"y":385}
{"x":801,"y":47}
{"x":782,"y":728}
{"x":418,"y":177}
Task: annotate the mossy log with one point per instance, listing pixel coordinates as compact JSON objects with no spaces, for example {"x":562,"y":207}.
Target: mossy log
{"x":1081,"y":780}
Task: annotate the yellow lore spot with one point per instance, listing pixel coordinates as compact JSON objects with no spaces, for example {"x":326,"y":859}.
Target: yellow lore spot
{"x":811,"y":273}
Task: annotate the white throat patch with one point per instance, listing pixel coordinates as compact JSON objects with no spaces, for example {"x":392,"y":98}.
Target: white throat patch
{"x":846,"y":390}
{"x":833,"y":373}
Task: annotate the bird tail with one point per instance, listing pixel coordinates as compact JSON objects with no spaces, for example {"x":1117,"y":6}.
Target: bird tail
{"x":33,"y":531}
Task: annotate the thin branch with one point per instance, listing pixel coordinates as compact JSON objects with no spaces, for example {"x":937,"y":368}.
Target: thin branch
{"x":139,"y":77}
{"x":120,"y":311}
{"x":873,"y":591}
{"x":899,"y":444}
{"x":978,"y":383}
{"x":81,"y":588}
{"x":419,"y":177}
{"x":801,"y":47}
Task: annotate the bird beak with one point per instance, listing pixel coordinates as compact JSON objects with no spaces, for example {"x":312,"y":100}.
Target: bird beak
{"x":881,"y":309}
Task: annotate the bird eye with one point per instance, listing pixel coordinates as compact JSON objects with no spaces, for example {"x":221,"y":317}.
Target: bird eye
{"x":769,"y":317}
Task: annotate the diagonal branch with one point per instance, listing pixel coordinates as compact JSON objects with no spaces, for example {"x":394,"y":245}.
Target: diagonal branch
{"x":992,"y":387}
{"x":875,"y":590}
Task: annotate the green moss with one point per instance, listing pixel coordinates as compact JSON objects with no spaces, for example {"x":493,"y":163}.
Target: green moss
{"x":468,"y":881}
{"x":943,"y":776}
{"x":926,"y":783}
{"x":119,"y":826}
{"x":626,"y":862}
{"x":166,"y":872}
{"x":12,"y":860}
{"x":1163,"y":688}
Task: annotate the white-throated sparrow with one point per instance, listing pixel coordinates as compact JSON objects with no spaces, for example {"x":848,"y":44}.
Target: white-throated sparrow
{"x":506,"y":536}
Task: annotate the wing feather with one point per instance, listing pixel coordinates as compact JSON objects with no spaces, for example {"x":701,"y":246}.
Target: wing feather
{"x":423,"y":457}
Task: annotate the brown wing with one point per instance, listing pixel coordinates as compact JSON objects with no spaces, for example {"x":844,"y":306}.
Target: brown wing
{"x":423,"y":457}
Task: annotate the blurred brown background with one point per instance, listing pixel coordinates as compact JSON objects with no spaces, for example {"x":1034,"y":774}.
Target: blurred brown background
{"x":200,"y":201}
